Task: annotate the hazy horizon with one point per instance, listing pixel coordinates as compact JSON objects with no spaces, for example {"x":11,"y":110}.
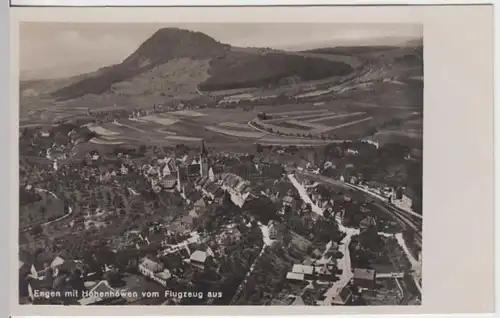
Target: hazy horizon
{"x":56,"y":50}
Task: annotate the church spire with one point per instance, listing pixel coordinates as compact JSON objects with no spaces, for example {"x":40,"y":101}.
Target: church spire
{"x":203,"y":160}
{"x":203,"y":149}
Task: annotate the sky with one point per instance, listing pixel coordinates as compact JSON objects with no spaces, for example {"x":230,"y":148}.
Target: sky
{"x":52,"y":50}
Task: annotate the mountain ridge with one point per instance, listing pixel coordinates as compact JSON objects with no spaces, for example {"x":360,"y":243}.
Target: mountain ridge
{"x":229,"y":67}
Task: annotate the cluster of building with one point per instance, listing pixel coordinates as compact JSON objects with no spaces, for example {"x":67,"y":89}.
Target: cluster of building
{"x":246,"y":97}
{"x":54,"y":280}
{"x":196,"y":176}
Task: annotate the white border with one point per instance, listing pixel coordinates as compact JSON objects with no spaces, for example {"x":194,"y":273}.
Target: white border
{"x":173,"y":3}
{"x":242,"y":2}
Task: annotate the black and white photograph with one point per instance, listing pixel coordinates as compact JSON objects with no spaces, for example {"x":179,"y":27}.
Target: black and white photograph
{"x":273,"y":164}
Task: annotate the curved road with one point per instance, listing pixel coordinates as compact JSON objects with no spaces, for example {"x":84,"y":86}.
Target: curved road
{"x":267,"y":242}
{"x":70,"y":210}
{"x":405,"y":218}
{"x":345,"y":262}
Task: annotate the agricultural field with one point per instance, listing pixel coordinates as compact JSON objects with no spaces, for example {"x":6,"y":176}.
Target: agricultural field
{"x":336,"y":122}
{"x":289,"y":124}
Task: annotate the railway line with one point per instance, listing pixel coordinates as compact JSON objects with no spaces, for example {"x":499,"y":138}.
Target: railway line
{"x":405,"y":219}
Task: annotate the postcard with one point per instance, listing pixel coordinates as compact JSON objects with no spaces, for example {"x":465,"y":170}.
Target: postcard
{"x":204,"y":159}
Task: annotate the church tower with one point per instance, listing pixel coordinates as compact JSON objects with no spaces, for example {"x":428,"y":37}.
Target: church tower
{"x":203,"y":160}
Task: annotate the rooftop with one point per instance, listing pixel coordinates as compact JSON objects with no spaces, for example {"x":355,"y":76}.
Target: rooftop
{"x":199,"y":256}
{"x":150,"y":264}
{"x":294,"y":276}
{"x":165,"y":274}
{"x":364,"y":273}
{"x":303,"y":269}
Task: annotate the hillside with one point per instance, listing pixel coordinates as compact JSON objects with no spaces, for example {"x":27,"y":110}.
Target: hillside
{"x":227,"y":68}
{"x":240,"y":70}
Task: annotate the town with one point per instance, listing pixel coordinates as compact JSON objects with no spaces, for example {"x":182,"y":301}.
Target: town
{"x":195,"y":172}
{"x":268,"y":227}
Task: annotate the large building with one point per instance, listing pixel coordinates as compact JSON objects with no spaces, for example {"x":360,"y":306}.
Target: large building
{"x":154,"y":270}
{"x":192,"y":168}
{"x":364,"y":278}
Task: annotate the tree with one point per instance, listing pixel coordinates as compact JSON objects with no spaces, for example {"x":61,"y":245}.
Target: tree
{"x":114,"y":278}
{"x":255,"y":236}
{"x":327,"y":214}
{"x":287,"y":238}
{"x":36,"y":230}
{"x":259,"y":148}
{"x":262,"y":116}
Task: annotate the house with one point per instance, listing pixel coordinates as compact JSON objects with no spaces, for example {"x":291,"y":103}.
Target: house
{"x":271,"y":170}
{"x":59,"y":264}
{"x":229,"y":237}
{"x":65,"y":291}
{"x":200,"y":205}
{"x":383,"y":269}
{"x":306,"y":270}
{"x":201,"y":181}
{"x":290,"y":202}
{"x":246,"y":170}
{"x":194,"y":195}
{"x":41,"y":263}
{"x":154,"y":270}
{"x":316,"y":253}
{"x":215,"y":172}
{"x":367,"y":223}
{"x":99,"y":294}
{"x":58,"y":261}
{"x":214,"y":191}
{"x":343,"y":298}
{"x":38,"y":288}
{"x":407,"y":199}
{"x":364,"y":278}
{"x":169,"y":167}
{"x":371,"y":142}
{"x":391,"y":275}
{"x":295,"y":276}
{"x":237,"y":188}
{"x":193,"y":169}
{"x":273,"y":230}
{"x":149,"y":267}
{"x":298,"y":301}
{"x":403,"y":198}
{"x":352,"y":152}
{"x":162,"y":277}
{"x":182,"y":173}
{"x":168,"y":183}
{"x":198,"y":259}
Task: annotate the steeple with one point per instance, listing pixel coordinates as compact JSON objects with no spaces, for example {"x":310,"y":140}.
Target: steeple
{"x":203,"y":160}
{"x":203,"y":149}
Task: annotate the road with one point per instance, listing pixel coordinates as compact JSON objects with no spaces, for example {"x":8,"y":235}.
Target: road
{"x":406,"y":219}
{"x":345,"y":262}
{"x":289,"y":140}
{"x":70,"y":210}
{"x":267,"y":242}
{"x":378,"y":196}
